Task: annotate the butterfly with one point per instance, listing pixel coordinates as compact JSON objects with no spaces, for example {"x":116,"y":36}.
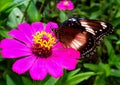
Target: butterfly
{"x":83,"y":34}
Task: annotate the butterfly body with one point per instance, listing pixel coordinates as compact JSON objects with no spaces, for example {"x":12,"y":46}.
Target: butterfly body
{"x":83,"y":34}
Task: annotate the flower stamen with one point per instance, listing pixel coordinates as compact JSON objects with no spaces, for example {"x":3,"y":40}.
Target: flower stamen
{"x":43,"y":43}
{"x":65,"y":3}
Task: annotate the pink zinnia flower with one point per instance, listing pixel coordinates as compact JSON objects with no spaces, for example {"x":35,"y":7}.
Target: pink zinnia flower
{"x":65,"y":5}
{"x":38,"y":51}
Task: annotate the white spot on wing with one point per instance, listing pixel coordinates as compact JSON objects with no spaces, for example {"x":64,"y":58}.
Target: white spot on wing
{"x":76,"y":44}
{"x":90,"y":30}
{"x":103,"y":24}
{"x":87,"y":27}
{"x":72,"y":19}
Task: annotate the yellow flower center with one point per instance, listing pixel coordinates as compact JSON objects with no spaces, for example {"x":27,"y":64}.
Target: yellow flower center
{"x":65,"y":3}
{"x":43,"y":43}
{"x":44,"y":39}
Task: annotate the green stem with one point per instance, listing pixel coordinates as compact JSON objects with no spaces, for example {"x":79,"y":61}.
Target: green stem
{"x":41,"y":6}
{"x":26,"y":10}
{"x":34,"y":82}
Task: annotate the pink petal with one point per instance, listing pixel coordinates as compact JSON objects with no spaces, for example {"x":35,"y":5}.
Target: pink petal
{"x":13,"y":49}
{"x":70,"y":5}
{"x":72,"y":53}
{"x":38,"y":70}
{"x":53,"y":68}
{"x":66,"y":62}
{"x":60,"y":6}
{"x":58,"y":46}
{"x":50,"y":26}
{"x":69,"y":51}
{"x":26,"y":29}
{"x":37,"y":26}
{"x":23,"y":65}
{"x":21,"y":36}
{"x":24,"y":33}
{"x":67,"y":58}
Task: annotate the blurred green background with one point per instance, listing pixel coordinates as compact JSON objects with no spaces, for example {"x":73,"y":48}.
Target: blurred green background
{"x":103,"y":69}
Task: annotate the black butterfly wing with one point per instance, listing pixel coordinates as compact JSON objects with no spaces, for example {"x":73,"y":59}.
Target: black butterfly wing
{"x":98,"y":28}
{"x":83,"y":34}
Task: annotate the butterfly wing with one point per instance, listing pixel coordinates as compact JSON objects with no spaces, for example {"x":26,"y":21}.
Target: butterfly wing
{"x":98,"y":28}
{"x":83,"y":34}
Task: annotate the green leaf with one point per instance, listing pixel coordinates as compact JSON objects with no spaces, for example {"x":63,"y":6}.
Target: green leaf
{"x":13,"y":78}
{"x":100,"y":68}
{"x":73,"y":73}
{"x":115,"y":72}
{"x":51,"y":81}
{"x":62,"y":16}
{"x":9,"y":80}
{"x":92,"y":67}
{"x":4,"y":33}
{"x":33,"y":14}
{"x":107,"y":69}
{"x":115,"y":60}
{"x":118,"y":42}
{"x":94,"y":15}
{"x":118,"y":31}
{"x":99,"y":80}
{"x":14,"y":4}
{"x":109,"y":47}
{"x":27,"y":81}
{"x":5,"y":4}
{"x":14,"y":18}
{"x":79,"y":78}
{"x":112,"y":37}
{"x":118,"y":13}
{"x":52,"y":15}
{"x":2,"y":82}
{"x":115,"y":22}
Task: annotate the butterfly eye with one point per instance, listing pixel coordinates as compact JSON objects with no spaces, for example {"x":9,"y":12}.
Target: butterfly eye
{"x":83,"y":34}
